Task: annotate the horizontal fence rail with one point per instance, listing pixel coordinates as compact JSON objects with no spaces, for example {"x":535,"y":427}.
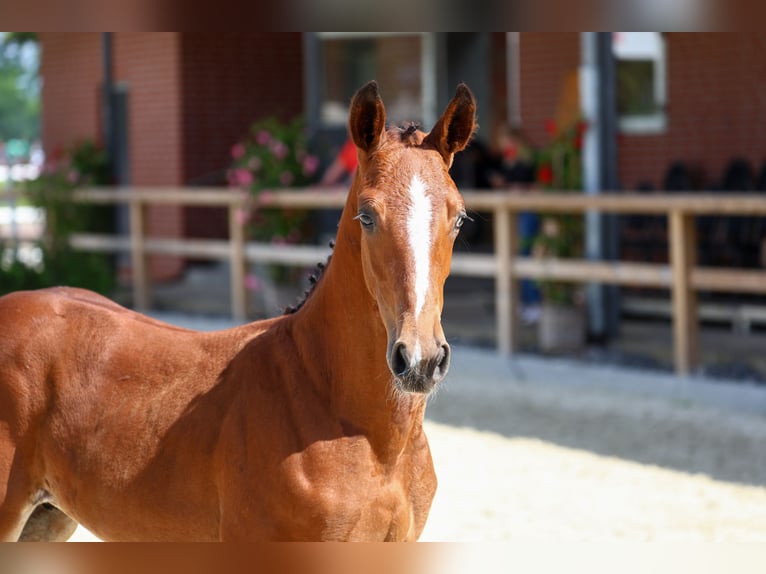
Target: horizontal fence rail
{"x":681,"y":276}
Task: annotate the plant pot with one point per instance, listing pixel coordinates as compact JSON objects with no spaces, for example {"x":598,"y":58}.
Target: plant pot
{"x":561,"y":328}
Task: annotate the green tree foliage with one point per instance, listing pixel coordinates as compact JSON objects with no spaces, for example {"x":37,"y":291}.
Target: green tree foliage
{"x":19,"y":93}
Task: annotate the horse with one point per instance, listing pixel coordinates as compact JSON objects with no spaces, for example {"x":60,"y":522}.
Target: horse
{"x":302,"y":427}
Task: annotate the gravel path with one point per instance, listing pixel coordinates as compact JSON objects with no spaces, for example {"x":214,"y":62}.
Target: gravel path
{"x":543,"y":450}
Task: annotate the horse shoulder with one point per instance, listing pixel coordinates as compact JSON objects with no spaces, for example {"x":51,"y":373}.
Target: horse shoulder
{"x":24,"y":338}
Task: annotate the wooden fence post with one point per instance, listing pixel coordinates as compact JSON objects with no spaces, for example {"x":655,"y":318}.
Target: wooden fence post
{"x":505,"y":223}
{"x":141,"y":295}
{"x":237,"y":263}
{"x":683,"y":248}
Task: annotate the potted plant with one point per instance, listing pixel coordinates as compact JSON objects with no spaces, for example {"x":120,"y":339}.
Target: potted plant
{"x":562,"y":322}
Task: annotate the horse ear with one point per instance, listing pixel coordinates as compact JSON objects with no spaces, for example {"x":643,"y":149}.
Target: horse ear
{"x":455,"y":127}
{"x":367,"y":117}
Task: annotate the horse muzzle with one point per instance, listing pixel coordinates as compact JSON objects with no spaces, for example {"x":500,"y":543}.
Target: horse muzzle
{"x":416,"y":371}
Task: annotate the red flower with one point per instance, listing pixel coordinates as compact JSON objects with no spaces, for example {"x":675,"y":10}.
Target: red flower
{"x":550,"y":127}
{"x":545,"y":174}
{"x":511,"y":152}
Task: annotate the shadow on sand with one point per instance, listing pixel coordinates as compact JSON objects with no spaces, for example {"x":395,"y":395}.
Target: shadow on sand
{"x":698,"y":427}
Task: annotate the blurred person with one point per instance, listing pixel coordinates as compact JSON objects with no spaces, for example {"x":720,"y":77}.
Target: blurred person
{"x":511,"y":163}
{"x":339,"y":173}
{"x":343,"y":167}
{"x":512,"y":167}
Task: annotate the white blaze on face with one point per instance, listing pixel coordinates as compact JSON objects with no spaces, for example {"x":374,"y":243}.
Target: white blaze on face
{"x":419,"y":232}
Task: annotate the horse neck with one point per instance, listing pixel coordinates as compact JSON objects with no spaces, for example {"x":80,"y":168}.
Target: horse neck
{"x":340,"y":328}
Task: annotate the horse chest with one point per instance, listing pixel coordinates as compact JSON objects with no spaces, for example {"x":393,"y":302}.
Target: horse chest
{"x":332,"y":490}
{"x":359,"y":500}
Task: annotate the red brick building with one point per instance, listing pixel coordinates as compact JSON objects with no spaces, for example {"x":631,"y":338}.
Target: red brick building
{"x":192,"y":95}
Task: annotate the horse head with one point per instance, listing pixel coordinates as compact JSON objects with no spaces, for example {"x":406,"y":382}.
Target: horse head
{"x":410,"y":212}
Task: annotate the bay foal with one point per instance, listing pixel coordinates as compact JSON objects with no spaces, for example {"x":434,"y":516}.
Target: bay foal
{"x":303,"y":427}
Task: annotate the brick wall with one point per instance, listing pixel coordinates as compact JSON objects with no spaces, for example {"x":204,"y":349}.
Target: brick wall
{"x":716,"y":109}
{"x":190,"y":98}
{"x":546,"y":61}
{"x":149,"y":63}
{"x":716,"y":102}
{"x":71,"y":70}
{"x":229,"y":81}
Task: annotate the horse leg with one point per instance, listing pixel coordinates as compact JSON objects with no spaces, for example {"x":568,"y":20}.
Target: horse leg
{"x":15,"y":508}
{"x":18,"y":495}
{"x":20,"y":518}
{"x":13,"y":516}
{"x":48,"y":524}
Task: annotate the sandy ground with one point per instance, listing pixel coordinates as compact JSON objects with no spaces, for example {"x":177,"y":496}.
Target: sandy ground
{"x":551,"y":450}
{"x":547,"y":450}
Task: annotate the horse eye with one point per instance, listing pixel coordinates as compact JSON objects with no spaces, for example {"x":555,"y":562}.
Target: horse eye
{"x":366,"y":220}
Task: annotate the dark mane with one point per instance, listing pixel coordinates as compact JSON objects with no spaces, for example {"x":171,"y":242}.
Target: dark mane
{"x":409,"y":133}
{"x":313,"y":280}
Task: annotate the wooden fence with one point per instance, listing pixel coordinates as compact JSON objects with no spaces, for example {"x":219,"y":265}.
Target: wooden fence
{"x":682,"y":276}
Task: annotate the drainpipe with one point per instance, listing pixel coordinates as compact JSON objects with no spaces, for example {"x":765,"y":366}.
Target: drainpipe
{"x":609,"y":174}
{"x":513,"y":77}
{"x":597,"y":101}
{"x":115,"y":153}
{"x":107,"y":116}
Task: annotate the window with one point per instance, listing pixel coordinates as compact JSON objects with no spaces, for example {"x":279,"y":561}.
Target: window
{"x":641,"y":81}
{"x":401,"y":63}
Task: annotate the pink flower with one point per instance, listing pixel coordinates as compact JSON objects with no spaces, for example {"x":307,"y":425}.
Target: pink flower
{"x":310,"y":165}
{"x":252,"y":283}
{"x":242,"y":216}
{"x":73,"y":176}
{"x":237,"y":151}
{"x":279,"y":149}
{"x":286,"y":178}
{"x":262,"y":137}
{"x":243,"y":177}
{"x":266,"y":197}
{"x":254,"y":164}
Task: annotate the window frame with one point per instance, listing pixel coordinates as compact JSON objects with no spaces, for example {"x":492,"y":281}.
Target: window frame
{"x":657,"y":122}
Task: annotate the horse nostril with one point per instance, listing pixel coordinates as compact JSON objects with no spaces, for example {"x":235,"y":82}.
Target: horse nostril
{"x":400,"y":360}
{"x":443,"y":365}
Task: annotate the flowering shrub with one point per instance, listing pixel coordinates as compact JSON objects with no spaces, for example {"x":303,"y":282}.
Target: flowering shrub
{"x":64,"y":171}
{"x":272,"y":155}
{"x":558,"y":164}
{"x":558,"y":168}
